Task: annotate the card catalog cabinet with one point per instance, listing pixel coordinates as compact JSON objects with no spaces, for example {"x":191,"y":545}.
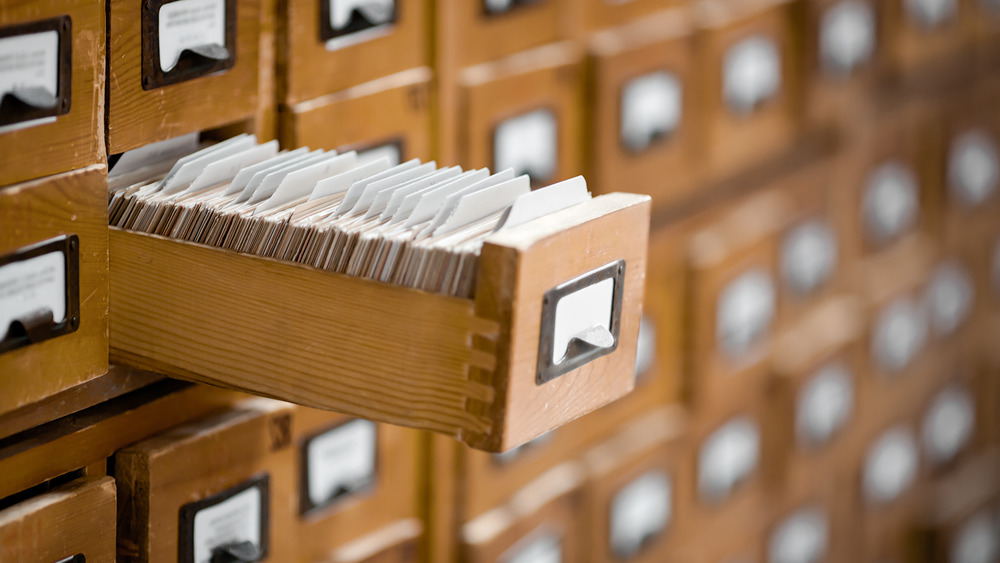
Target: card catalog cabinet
{"x":179,"y":66}
{"x":646,"y":112}
{"x":54,"y":271}
{"x":73,"y":522}
{"x":326,"y":46}
{"x":354,"y":478}
{"x":524,"y":112}
{"x":750,"y":84}
{"x":214,"y":488}
{"x":634,"y":493}
{"x":538,"y":524}
{"x":52,"y":122}
{"x":397,"y":118}
{"x":466,"y":367}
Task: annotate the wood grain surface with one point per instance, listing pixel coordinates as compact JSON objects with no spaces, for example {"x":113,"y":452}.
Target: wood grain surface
{"x":73,"y":519}
{"x":137,"y":117}
{"x":69,"y":203}
{"x":75,"y":139}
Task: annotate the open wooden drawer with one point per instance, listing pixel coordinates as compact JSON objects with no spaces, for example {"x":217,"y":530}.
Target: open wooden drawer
{"x":468,"y":368}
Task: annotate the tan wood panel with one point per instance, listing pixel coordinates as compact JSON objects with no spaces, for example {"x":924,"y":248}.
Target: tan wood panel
{"x":137,"y":117}
{"x":76,"y":139}
{"x":69,"y":203}
{"x":77,"y":518}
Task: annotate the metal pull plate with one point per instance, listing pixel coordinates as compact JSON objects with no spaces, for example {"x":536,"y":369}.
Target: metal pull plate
{"x":36,"y":64}
{"x":338,"y":463}
{"x":186,"y":39}
{"x":580,"y":321}
{"x":345,"y":22}
{"x":39,"y":292}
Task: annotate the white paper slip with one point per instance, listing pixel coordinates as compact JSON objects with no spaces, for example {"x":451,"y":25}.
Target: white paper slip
{"x":151,"y":154}
{"x":372,"y":190}
{"x":482,"y":203}
{"x":425,"y":205}
{"x":260,"y":177}
{"x":357,"y":188}
{"x":302,"y":182}
{"x":342,"y":182}
{"x":30,"y":60}
{"x":387,"y":201}
{"x":546,"y":200}
{"x":244,"y":176}
{"x":187,"y":24}
{"x":226,"y":169}
{"x":188,"y":168}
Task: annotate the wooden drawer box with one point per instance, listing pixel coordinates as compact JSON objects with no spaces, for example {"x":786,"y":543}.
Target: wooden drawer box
{"x":600,"y":14}
{"x":36,"y":141}
{"x":477,"y":31}
{"x":843,"y":50}
{"x":74,"y":522}
{"x":634,"y":489}
{"x":211,"y":488}
{"x":646,"y":114}
{"x":58,"y":216}
{"x":817,"y":393}
{"x":179,"y":67}
{"x":354,"y":478}
{"x":538,"y":524}
{"x":750,"y":87}
{"x":399,"y":542}
{"x":431,"y":373}
{"x":524,"y":112}
{"x":323,"y":50}
{"x":732,"y":296}
{"x":396,"y":120}
{"x":926,"y":39}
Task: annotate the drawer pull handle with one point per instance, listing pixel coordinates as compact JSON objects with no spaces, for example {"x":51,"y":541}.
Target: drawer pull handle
{"x":34,"y":97}
{"x":587,"y":341}
{"x":242,"y":552}
{"x":210,"y":52}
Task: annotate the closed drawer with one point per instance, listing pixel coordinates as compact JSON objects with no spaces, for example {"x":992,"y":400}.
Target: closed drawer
{"x":54,"y":264}
{"x":634,"y":490}
{"x":397,"y":118}
{"x":53,"y":124}
{"x":733,"y":298}
{"x":179,"y":66}
{"x":427,"y":342}
{"x":330,"y":45}
{"x":476,"y":31}
{"x":217,"y":487}
{"x":646,"y":117}
{"x":74,"y":522}
{"x":750,"y":87}
{"x":355,"y":478}
{"x":843,"y":48}
{"x":537,"y":524}
{"x":524,"y":113}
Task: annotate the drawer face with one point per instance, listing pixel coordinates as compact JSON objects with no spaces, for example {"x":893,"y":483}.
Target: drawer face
{"x":597,"y":14}
{"x":645,"y":114}
{"x":355,"y":477}
{"x":332,"y":45}
{"x":51,"y":121}
{"x":477,"y":31}
{"x":178,"y":66}
{"x":398,"y":124}
{"x":212,"y":488}
{"x":751,"y":92}
{"x":528,"y":121}
{"x":74,"y":522}
{"x":64,"y":218}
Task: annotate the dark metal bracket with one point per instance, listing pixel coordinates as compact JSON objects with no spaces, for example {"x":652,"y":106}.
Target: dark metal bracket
{"x":31,"y":103}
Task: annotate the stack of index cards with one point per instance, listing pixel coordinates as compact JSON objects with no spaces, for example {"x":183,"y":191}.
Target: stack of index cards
{"x":412,"y":224}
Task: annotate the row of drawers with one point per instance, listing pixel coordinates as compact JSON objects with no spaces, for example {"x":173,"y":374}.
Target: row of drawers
{"x":747,"y":108}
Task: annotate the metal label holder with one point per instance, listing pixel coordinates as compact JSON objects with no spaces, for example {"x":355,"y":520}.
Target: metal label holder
{"x":194,"y":62}
{"x":358,"y":23}
{"x":239,"y":552}
{"x":579,"y":351}
{"x":40,"y":327}
{"x":38,"y":103}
